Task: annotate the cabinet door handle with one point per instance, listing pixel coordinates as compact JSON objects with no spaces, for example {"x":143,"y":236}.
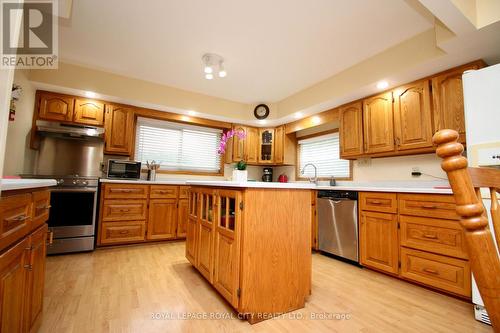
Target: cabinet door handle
{"x":375,"y":202}
{"x":51,"y":237}
{"x":29,"y":267}
{"x":430,"y":236}
{"x":124,"y":210}
{"x":19,"y":218}
{"x":429,"y":206}
{"x":124,"y":232}
{"x":431,"y":271}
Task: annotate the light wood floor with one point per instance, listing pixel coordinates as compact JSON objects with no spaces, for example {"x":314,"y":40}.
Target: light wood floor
{"x":120,"y":289}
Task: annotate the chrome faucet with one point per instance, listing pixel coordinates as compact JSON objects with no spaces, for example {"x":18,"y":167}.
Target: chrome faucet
{"x":311,"y":179}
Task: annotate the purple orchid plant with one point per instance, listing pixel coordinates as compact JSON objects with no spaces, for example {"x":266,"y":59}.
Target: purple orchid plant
{"x":228,"y":135}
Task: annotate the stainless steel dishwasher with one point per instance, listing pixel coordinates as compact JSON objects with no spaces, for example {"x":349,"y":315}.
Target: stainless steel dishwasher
{"x":338,"y":223}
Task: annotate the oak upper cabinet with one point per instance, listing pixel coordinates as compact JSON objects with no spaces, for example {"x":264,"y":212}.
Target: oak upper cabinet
{"x":192,"y":227}
{"x":207,"y":202}
{"x":448,"y":99}
{"x":351,"y":130}
{"x":119,"y":134}
{"x":56,"y":107}
{"x":378,"y":124}
{"x":266,"y":146}
{"x":379,"y":246}
{"x":285,"y":146}
{"x":412,"y":116}
{"x":162,"y":222}
{"x":13,"y":283}
{"x":89,"y":112}
{"x":227,"y":245}
{"x":239,"y":150}
{"x":252,"y":145}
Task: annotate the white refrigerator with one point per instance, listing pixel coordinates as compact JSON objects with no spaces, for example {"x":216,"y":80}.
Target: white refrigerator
{"x":482,"y":131}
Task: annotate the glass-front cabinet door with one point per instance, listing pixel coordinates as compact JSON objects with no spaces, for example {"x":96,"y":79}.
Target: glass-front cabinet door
{"x":227,"y":244}
{"x":192,"y":226}
{"x":266,"y":146}
{"x":207,"y":202}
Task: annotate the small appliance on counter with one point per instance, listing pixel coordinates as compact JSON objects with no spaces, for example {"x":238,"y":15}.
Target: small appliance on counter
{"x":123,"y":169}
{"x":283,"y":178}
{"x":268,"y":175}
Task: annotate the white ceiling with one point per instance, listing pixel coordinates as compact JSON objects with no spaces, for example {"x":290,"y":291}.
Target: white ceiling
{"x":272,"y":48}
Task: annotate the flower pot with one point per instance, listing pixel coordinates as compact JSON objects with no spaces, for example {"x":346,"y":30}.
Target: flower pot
{"x":240,"y":175}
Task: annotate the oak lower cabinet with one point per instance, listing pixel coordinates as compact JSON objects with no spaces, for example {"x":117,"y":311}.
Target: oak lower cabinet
{"x":162,"y":221}
{"x":244,"y":240}
{"x":379,"y":241}
{"x":135,"y":213}
{"x":22,"y":268}
{"x":416,"y":237}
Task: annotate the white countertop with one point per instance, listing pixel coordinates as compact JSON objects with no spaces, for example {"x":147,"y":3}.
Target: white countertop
{"x":20,"y":184}
{"x":436,"y":187}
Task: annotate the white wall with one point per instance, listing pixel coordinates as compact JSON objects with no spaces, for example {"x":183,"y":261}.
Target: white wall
{"x":18,"y":157}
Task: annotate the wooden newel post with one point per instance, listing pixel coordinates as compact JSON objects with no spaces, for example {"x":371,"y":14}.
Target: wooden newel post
{"x":482,"y":252}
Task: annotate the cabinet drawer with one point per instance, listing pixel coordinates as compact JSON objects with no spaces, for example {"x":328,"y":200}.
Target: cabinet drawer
{"x":124,"y":210}
{"x":164,"y":192}
{"x":122,"y":232}
{"x":436,"y":271}
{"x":183,"y":192}
{"x":125,"y":191}
{"x":41,"y":207}
{"x":378,"y":202}
{"x":428,"y":205}
{"x":433,"y":235}
{"x":15,"y":218}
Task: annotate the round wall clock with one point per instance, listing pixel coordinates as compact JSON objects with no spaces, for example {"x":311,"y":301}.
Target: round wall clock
{"x":261,"y":111}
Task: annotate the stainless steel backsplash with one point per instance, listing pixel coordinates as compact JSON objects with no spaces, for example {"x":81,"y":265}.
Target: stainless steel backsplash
{"x":59,"y":156}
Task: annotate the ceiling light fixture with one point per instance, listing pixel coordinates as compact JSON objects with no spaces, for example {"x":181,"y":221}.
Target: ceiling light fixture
{"x":213,"y":63}
{"x":382,"y":84}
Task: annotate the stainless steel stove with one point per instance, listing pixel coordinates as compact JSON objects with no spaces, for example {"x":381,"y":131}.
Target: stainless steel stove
{"x":67,"y":153}
{"x":72,"y":216}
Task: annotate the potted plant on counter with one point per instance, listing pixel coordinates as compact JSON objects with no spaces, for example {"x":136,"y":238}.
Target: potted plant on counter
{"x":240,"y":173}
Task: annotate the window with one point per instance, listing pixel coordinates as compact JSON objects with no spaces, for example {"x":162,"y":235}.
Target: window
{"x":178,"y":147}
{"x":324,"y":152}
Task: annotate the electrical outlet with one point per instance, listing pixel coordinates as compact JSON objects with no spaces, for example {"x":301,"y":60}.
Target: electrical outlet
{"x":365,"y":161}
{"x":415,"y":172}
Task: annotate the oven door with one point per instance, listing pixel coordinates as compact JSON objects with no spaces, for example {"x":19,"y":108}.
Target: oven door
{"x":72,"y":212}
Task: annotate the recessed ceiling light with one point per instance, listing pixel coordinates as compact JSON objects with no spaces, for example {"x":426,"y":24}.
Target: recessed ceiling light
{"x":298,"y":115}
{"x":90,"y":94}
{"x":222,"y":73}
{"x":382,"y":84}
{"x":316,"y":120}
{"x":209,"y":76}
{"x":208,"y":69}
{"x":192,"y":113}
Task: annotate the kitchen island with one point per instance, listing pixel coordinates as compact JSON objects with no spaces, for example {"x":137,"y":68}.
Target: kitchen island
{"x":252,"y":244}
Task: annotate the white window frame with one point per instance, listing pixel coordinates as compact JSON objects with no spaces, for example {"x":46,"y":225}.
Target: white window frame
{"x":318,"y":137}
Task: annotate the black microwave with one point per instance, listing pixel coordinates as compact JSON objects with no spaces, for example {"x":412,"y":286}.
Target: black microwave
{"x":123,"y":169}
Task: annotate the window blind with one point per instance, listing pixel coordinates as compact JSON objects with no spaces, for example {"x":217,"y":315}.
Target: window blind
{"x":324,"y":152}
{"x":177,"y":147}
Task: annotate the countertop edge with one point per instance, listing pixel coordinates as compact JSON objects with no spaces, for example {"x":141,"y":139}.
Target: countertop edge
{"x":23,"y":184}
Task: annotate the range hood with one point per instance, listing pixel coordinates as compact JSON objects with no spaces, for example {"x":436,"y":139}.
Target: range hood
{"x":69,"y":131}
